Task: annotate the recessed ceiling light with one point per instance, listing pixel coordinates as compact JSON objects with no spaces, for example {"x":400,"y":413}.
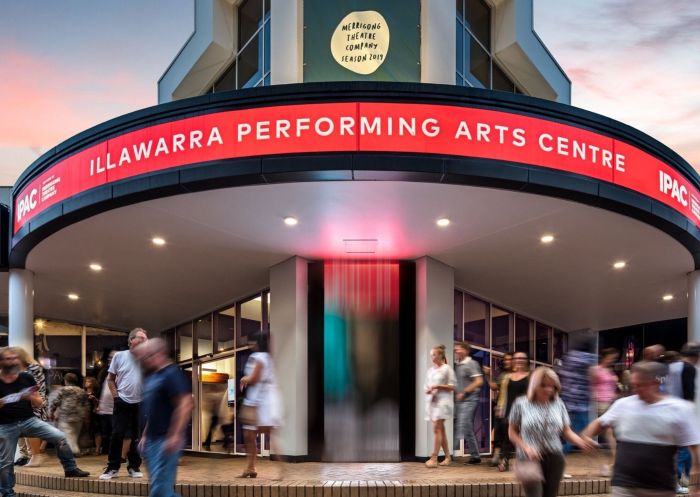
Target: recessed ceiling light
{"x":547,"y":239}
{"x":443,"y":221}
{"x":95,"y":267}
{"x":73,"y":296}
{"x":619,"y":264}
{"x":158,"y":241}
{"x":667,"y":297}
{"x":39,"y":323}
{"x":291,"y":221}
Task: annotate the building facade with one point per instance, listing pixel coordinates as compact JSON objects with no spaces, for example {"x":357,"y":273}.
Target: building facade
{"x":360,"y":180}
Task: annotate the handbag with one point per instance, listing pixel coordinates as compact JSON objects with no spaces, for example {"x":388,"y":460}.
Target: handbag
{"x":528,"y":472}
{"x":248,"y":415}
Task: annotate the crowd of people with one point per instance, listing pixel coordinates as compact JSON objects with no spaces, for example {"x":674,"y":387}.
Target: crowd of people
{"x":643,"y":415}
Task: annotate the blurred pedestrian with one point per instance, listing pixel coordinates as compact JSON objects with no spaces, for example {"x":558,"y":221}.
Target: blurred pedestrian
{"x":30,"y":448}
{"x":575,"y":383}
{"x":92,"y":390}
{"x":71,"y":409}
{"x":126,"y":387}
{"x":261,"y":410}
{"x":439,"y":402}
{"x":467,"y":394}
{"x":537,"y":423}
{"x":500,"y":429}
{"x":18,"y":398}
{"x":167,"y":408}
{"x":682,"y":375}
{"x":514,"y":385}
{"x":604,"y":393}
{"x":649,"y":426}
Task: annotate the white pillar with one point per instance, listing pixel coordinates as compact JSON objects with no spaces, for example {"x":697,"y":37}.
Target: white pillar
{"x":21,"y":309}
{"x":694,"y":324}
{"x":288,"y":317}
{"x":287,"y":41}
{"x":434,"y":322}
{"x":438,"y":42}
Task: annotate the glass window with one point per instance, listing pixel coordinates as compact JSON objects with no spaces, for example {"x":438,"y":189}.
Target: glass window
{"x":542,"y":341}
{"x":457,"y":329}
{"x":460,"y":9}
{"x":460,"y":52}
{"x":225,"y":329}
{"x":478,"y":18}
{"x":500,"y":80}
{"x":523,"y":334}
{"x":184,"y":340}
{"x":251,"y":319}
{"x":476,"y":313}
{"x":560,"y":344}
{"x":216,"y":411}
{"x":250,"y":64}
{"x":501,"y":323}
{"x":479,"y":64}
{"x":482,"y":425}
{"x":203,"y":331}
{"x":250,"y":16}
{"x":228,"y":80}
{"x":169,"y":338}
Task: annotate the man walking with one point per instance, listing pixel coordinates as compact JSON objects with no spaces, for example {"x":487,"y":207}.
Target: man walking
{"x":167,"y":407}
{"x":649,"y":426}
{"x":469,"y":382}
{"x":125,"y":384}
{"x":70,"y":408}
{"x":18,"y":394}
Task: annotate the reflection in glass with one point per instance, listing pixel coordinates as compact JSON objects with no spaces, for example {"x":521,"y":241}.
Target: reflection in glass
{"x":251,"y":319}
{"x":560,"y":344}
{"x":479,"y":64}
{"x":217,"y":411}
{"x":523,"y":332}
{"x":500,"y":329}
{"x":203,"y":331}
{"x":250,"y":15}
{"x":457,"y":329}
{"x":460,"y":52}
{"x":478,"y":19}
{"x":184,"y":338}
{"x":482,"y":420}
{"x":225,"y":329}
{"x":476,"y":314}
{"x":500,"y":81}
{"x":542,"y":341}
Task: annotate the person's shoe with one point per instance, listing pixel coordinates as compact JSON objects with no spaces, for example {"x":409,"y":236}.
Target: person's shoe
{"x":474,"y":460}
{"x":21,"y":461}
{"x":684,"y":480}
{"x":35,"y":461}
{"x":605,"y":470}
{"x":567,"y":475}
{"x":11,"y":493}
{"x":76,"y":473}
{"x":135,"y":473}
{"x":681,"y":490}
{"x":446,"y":462}
{"x":109,"y":474}
{"x":123,"y":460}
{"x":432,"y":462}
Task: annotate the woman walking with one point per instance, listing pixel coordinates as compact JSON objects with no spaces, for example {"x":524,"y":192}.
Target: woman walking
{"x":514,"y":385}
{"x":604,"y":389}
{"x":500,"y":429}
{"x":537,"y":423}
{"x":260,"y":412}
{"x":439,"y":400}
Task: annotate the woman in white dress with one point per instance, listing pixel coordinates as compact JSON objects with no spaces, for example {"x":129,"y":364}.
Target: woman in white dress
{"x":261,"y":394}
{"x":439,"y":402}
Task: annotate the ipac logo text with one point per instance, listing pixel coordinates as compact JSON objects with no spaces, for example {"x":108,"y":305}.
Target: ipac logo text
{"x":26,"y":204}
{"x":670,"y":186}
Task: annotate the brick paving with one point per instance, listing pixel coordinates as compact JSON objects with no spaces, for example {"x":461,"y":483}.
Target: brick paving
{"x":224,"y":470}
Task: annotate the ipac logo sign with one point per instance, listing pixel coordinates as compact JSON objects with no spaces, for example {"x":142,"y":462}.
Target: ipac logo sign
{"x":26,"y":204}
{"x":670,"y":186}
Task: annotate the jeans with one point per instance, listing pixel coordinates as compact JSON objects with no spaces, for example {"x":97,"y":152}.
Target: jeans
{"x":33,"y":428}
{"x":162,"y":468}
{"x":125,"y":417}
{"x":683,"y":462}
{"x":464,"y":424}
{"x":579,"y":420}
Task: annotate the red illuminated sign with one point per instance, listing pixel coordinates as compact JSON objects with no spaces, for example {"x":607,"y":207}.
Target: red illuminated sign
{"x":359,"y":127}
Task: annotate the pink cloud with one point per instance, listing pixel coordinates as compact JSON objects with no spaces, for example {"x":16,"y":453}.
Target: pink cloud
{"x":44,"y":103}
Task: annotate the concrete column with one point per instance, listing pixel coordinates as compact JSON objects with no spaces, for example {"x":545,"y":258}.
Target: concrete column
{"x":694,"y":324}
{"x":286,"y":41}
{"x":289,"y":331}
{"x":438,"y":42}
{"x":21,"y":309}
{"x":434,"y":322}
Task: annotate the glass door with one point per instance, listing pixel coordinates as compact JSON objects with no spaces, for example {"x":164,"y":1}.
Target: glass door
{"x":217,"y":405}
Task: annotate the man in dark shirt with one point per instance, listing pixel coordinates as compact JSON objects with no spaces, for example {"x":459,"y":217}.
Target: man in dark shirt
{"x":167,"y":407}
{"x":18,"y":394}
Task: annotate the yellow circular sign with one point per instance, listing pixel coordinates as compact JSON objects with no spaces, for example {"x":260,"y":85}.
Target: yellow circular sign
{"x":360,"y":43}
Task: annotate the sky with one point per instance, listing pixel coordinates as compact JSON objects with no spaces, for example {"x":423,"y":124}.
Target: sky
{"x":67,"y":65}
